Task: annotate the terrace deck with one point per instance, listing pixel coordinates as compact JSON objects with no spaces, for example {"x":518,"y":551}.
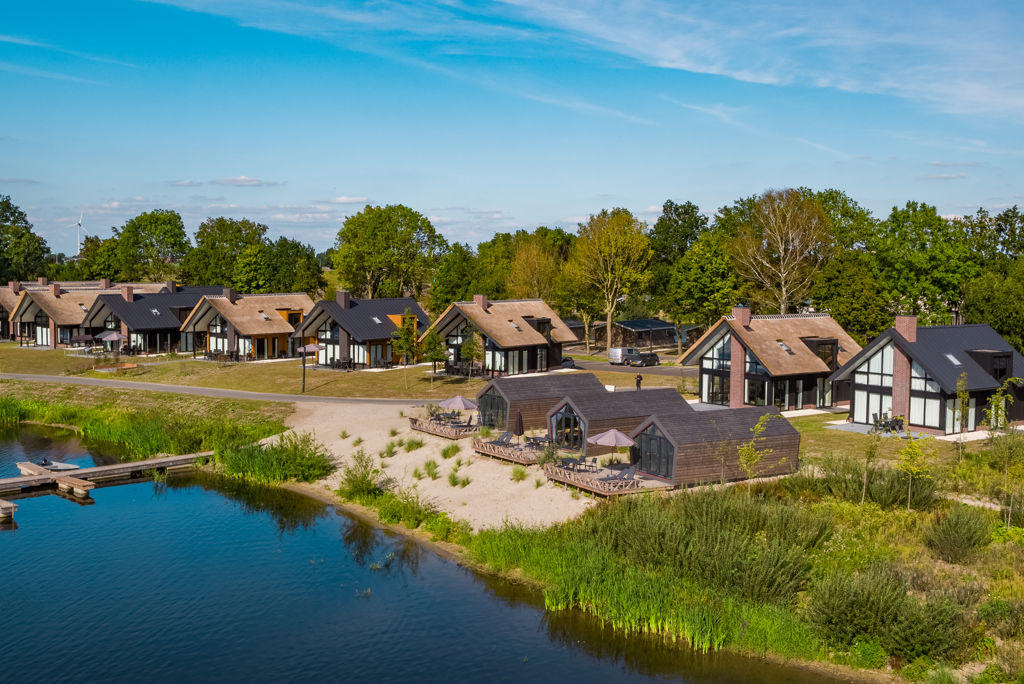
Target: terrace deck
{"x":446,"y":430}
{"x":513,"y":452}
{"x":596,"y":482}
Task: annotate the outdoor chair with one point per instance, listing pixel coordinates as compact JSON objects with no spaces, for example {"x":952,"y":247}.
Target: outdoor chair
{"x":570,"y":463}
{"x":621,"y":476}
{"x":504,"y":440}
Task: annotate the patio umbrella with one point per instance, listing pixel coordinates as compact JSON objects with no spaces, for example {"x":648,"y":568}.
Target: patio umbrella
{"x":308,"y":349}
{"x":518,"y":429}
{"x":111,"y":336}
{"x":457,"y":403}
{"x":612,"y":438}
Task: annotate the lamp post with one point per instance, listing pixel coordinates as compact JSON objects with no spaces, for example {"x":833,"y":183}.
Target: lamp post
{"x":305,"y":350}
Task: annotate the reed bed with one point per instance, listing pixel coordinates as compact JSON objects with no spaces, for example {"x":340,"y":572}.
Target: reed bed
{"x":293,"y":457}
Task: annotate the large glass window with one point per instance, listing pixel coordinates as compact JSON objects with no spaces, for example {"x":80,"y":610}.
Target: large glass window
{"x":653,"y":453}
{"x":1000,"y":365}
{"x":719,"y":356}
{"x":921,"y":381}
{"x":715,"y":389}
{"x":327,"y":337}
{"x":493,"y":409}
{"x":756,"y":392}
{"x":754,"y":367}
{"x":111,"y":323}
{"x":876,"y":370}
{"x":566,"y":429}
{"x":827,"y":352}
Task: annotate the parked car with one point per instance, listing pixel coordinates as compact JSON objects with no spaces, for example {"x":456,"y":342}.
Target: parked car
{"x":568,"y":362}
{"x":642,"y":359}
{"x":617,"y":355}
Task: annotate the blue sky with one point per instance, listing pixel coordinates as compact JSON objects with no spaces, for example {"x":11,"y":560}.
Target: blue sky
{"x":496,"y":116}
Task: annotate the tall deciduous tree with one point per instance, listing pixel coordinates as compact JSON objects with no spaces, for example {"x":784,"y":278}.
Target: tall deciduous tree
{"x":574,"y":295}
{"x":704,"y":283}
{"x":387,"y":251}
{"x":150,"y":246}
{"x":611,"y":255}
{"x":219,"y":242}
{"x":678,"y":227}
{"x":406,"y":343}
{"x":454,"y":278}
{"x":294,"y":267}
{"x":534,"y":269}
{"x":846,"y":288}
{"x":782,"y":247}
{"x":433,"y":351}
{"x":23,"y":254}
{"x":997,"y":299}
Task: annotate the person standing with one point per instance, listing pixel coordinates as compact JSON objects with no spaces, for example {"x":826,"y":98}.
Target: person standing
{"x":639,"y":380}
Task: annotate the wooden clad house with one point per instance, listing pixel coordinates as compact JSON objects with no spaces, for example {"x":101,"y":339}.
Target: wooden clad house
{"x":52,"y":315}
{"x":359,"y":331}
{"x":783,"y":361}
{"x":691,"y":447}
{"x":912,"y":371}
{"x":502,"y":398}
{"x":584,"y":414}
{"x":519,"y":335}
{"x":150,"y":321}
{"x":248,"y":326}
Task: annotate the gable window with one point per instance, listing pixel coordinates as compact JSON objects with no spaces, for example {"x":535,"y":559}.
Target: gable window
{"x":653,"y":453}
{"x":111,"y":323}
{"x":493,"y":409}
{"x":567,"y":429}
{"x":876,"y":370}
{"x":217,"y":326}
{"x":718,"y":357}
{"x":925,"y":398}
{"x":755,"y":367}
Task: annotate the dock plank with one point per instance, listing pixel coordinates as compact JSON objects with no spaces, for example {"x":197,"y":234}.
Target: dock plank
{"x":16,"y":484}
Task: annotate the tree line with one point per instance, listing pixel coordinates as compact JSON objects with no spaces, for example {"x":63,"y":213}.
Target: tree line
{"x":782,"y":251}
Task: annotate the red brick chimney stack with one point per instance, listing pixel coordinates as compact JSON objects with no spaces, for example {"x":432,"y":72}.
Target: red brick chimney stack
{"x":481,"y":301}
{"x":55,"y":289}
{"x":742,"y":314}
{"x":907,"y":326}
{"x":105,"y":283}
{"x":42,"y":281}
{"x":343,"y":298}
{"x":15,"y":286}
{"x":128,"y":293}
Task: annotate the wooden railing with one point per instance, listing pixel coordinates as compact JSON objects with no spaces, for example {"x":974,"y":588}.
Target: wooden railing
{"x":446,"y":430}
{"x":514,"y":453}
{"x":590,"y":481}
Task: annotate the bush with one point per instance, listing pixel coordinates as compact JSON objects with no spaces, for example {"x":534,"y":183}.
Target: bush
{"x":955,"y":536}
{"x":404,"y":506}
{"x":943,"y":675}
{"x":843,"y":478}
{"x":293,"y":457}
{"x":933,"y":628}
{"x":360,"y":480}
{"x":1005,"y":617}
{"x":866,"y":604}
{"x":868,"y":654}
{"x":917,"y":670}
{"x":518,"y":473}
{"x":443,"y":528}
{"x":548,"y":455}
{"x":450,"y":450}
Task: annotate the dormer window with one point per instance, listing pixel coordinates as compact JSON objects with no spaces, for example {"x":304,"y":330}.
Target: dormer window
{"x":265,"y":316}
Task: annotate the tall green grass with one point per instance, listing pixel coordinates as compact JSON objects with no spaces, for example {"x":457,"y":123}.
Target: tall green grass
{"x":142,"y":431}
{"x":293,"y":457}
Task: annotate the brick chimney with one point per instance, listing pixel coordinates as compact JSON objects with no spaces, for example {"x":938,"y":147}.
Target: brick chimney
{"x":172,"y":287}
{"x":128,"y":293}
{"x":15,"y":286}
{"x":343,"y":298}
{"x":230,"y":294}
{"x":481,"y":301}
{"x":105,"y":283}
{"x":55,"y":289}
{"x":907,"y":326}
{"x":43,"y":281}
{"x":741,"y":313}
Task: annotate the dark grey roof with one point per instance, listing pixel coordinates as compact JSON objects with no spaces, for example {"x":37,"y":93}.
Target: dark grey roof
{"x":556,"y":385}
{"x":358,"y":320}
{"x":604,"y":405}
{"x":696,"y":427}
{"x":153,"y":311}
{"x":645,"y":324}
{"x":931,"y":349}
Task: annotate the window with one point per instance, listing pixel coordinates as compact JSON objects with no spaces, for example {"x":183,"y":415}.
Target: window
{"x":953,"y":360}
{"x":785,"y":347}
{"x":826,"y":351}
{"x":111,"y":323}
{"x":515,"y":325}
{"x":717,"y":358}
{"x":715,"y":389}
{"x":217,"y":326}
{"x":155,"y":312}
{"x":1000,"y":366}
{"x":376,"y":320}
{"x":754,"y":367}
{"x":566,"y":429}
{"x":653,"y":453}
{"x":876,"y":370}
{"x":920,"y":381}
{"x":756,"y":392}
{"x":83,"y":307}
{"x":264,"y":316}
{"x":493,"y":409}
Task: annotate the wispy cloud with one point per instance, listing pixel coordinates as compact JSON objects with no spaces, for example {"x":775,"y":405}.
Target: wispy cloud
{"x":20,"y":181}
{"x":184,"y":183}
{"x":28,"y":42}
{"x":945,"y":176}
{"x":41,"y":73}
{"x":245,"y":182}
{"x":723,"y":113}
{"x":345,"y":199}
{"x":952,"y":164}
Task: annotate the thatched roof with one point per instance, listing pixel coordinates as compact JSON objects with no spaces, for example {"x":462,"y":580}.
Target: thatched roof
{"x":506,"y":322}
{"x":251,"y":314}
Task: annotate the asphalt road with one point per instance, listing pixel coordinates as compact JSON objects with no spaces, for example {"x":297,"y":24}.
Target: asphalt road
{"x":677,"y":371}
{"x":205,"y":391}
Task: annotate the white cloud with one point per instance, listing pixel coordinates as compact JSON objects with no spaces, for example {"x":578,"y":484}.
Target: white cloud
{"x":345,"y":199}
{"x":947,"y":164}
{"x":41,"y":73}
{"x":653,"y":209}
{"x":945,"y":176}
{"x":722,"y":112}
{"x":28,"y":42}
{"x":20,"y":181}
{"x":185,"y":183}
{"x":244,"y":182}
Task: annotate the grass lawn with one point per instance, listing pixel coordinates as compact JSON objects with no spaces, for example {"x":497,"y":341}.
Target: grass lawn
{"x":15,"y":359}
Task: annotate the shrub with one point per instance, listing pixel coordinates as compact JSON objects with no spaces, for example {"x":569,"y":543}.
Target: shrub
{"x":404,"y":506}
{"x":443,"y":528}
{"x":361,"y":480}
{"x":450,"y":450}
{"x":430,"y":467}
{"x":293,"y":457}
{"x":955,"y":536}
{"x":943,"y":675}
{"x":412,"y":444}
{"x":846,"y":606}
{"x":917,"y":670}
{"x":518,"y":473}
{"x":357,"y":441}
{"x":548,"y":455}
{"x":1005,"y":617}
{"x":868,"y":654}
{"x":484,"y":431}
{"x":933,"y":628}
{"x":392,"y":432}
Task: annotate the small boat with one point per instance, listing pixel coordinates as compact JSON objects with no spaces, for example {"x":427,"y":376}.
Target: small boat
{"x":56,"y":466}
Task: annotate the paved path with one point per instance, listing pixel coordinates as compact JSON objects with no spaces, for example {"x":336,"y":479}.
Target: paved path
{"x":677,"y":371}
{"x":204,"y":391}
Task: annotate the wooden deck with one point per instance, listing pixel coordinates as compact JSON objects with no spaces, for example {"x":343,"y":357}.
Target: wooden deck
{"x":445,"y":430}
{"x":596,"y":482}
{"x":32,"y":476}
{"x":7,"y":510}
{"x":514,"y":453}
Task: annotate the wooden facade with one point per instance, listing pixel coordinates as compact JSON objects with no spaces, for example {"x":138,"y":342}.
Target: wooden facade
{"x":502,"y":399}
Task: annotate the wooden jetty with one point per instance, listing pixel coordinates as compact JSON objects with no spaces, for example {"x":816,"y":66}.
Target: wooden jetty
{"x":34,"y":476}
{"x":7,"y":509}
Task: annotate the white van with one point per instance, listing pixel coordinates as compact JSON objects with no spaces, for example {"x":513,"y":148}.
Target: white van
{"x":617,"y":354}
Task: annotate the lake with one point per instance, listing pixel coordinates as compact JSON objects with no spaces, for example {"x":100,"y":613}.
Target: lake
{"x":198,"y":578}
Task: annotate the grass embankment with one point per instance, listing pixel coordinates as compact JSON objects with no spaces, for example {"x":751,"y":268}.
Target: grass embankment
{"x":292,"y":457}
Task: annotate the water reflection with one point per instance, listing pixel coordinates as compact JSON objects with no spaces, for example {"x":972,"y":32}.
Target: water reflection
{"x":291,"y":512}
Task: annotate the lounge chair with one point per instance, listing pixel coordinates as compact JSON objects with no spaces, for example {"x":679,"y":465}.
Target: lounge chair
{"x":504,"y":440}
{"x":621,"y":476}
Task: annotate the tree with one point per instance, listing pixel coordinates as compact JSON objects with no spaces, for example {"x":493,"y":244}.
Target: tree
{"x":961,"y":412}
{"x":471,"y":349}
{"x":704,"y":282}
{"x":387,"y":251}
{"x":611,"y":255}
{"x":750,"y":455}
{"x":454,"y":278}
{"x":150,"y":246}
{"x":574,"y":295}
{"x":533,"y":271}
{"x":494,"y":261}
{"x":219,"y":242}
{"x":252,"y":270}
{"x":847,"y":290}
{"x":23,"y":254}
{"x":294,"y":267}
{"x":406,"y":342}
{"x":678,"y":227}
{"x":871,"y":452}
{"x":782,"y":247}
{"x":914,"y":461}
{"x":433,"y":350}
{"x":997,"y":298}
{"x":850,"y":223}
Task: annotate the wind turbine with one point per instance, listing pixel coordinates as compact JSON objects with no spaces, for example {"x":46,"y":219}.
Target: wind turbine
{"x":79,"y":224}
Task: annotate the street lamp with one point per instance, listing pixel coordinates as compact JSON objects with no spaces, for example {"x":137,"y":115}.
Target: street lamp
{"x":305,"y":350}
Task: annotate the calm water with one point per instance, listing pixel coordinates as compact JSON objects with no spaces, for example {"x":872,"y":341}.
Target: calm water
{"x":200,"y":579}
